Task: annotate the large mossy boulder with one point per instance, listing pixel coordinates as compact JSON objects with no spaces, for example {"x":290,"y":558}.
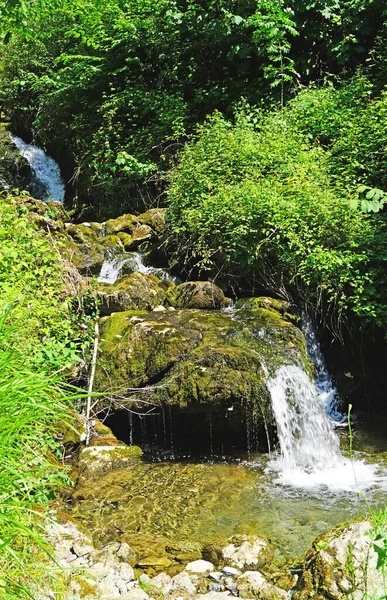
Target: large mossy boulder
{"x":199,"y":294}
{"x":198,"y":357}
{"x":131,"y":292}
{"x":343,"y":563}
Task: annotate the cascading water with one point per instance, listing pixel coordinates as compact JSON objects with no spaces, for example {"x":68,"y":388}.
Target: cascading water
{"x":310,"y":455}
{"x":45,"y":168}
{"x":306,"y":435}
{"x":113,"y":265}
{"x":327,"y":391}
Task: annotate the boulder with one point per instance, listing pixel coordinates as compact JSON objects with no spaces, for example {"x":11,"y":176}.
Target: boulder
{"x":155,"y":219}
{"x":343,"y":563}
{"x":199,"y":358}
{"x":199,"y":294}
{"x":126,"y":223}
{"x":94,"y":461}
{"x":131,"y":292}
{"x":247,"y":552}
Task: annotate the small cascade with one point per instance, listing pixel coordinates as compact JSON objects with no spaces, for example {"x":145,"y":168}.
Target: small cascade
{"x":113,"y":265}
{"x":305,"y":432}
{"x":45,"y":168}
{"x":310,"y":454}
{"x":327,"y":391}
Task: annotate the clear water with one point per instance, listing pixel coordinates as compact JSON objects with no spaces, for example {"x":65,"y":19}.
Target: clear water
{"x":208,"y":502}
{"x":45,"y":168}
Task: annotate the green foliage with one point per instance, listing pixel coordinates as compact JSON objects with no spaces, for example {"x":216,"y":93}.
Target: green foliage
{"x":256,"y":198}
{"x":48,"y":308}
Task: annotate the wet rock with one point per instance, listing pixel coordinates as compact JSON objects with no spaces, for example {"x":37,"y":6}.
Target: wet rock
{"x":245,"y":552}
{"x":94,"y":461}
{"x":135,"y":291}
{"x":343,"y":562}
{"x":182,"y":583}
{"x":200,"y":566}
{"x":199,"y":294}
{"x":197,"y":357}
{"x":15,"y":171}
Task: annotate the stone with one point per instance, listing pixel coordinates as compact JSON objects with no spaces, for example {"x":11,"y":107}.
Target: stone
{"x":134,"y":291}
{"x":199,"y":294}
{"x":231,"y":571}
{"x":82,"y":234}
{"x":198,"y":358}
{"x":126,"y":553}
{"x":215,"y":575}
{"x":182,"y":583}
{"x":162,"y":581}
{"x":343,"y":562}
{"x":216,"y":587}
{"x":199,"y":566}
{"x":135,"y":594}
{"x":254,"y":584}
{"x":94,"y":461}
{"x":245,"y":552}
{"x":214,"y":596}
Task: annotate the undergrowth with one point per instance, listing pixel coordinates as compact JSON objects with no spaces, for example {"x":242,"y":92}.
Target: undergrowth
{"x":42,"y":339}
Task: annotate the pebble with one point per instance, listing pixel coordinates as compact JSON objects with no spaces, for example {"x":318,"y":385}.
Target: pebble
{"x":215,"y":575}
{"x":230,"y":571}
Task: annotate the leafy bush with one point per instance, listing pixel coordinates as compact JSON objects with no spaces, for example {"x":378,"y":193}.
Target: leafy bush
{"x":255,"y":199}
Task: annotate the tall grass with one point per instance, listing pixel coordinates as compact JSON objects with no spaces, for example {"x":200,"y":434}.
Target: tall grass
{"x":31,"y":404}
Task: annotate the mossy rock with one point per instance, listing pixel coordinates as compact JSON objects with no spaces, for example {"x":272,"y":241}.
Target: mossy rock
{"x":94,"y":461}
{"x":198,"y":357}
{"x":134,"y":291}
{"x":112,"y":241}
{"x":126,"y":223}
{"x":199,"y":294}
{"x":82,"y":234}
{"x":155,"y":219}
{"x":87,"y":258}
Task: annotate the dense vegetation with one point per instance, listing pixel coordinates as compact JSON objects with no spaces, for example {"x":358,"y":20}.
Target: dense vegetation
{"x":263,"y":125}
{"x":115,"y":90}
{"x":40,"y":341}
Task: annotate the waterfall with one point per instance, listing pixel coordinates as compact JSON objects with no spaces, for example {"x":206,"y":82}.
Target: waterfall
{"x":112,"y":267}
{"x":305,"y":432}
{"x":327,"y":391}
{"x":310,"y":455}
{"x":44,"y":167}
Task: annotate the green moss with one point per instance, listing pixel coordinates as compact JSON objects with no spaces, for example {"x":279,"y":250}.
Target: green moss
{"x":82,"y":234}
{"x":199,"y":294}
{"x":134,"y":291}
{"x":200,"y":357}
{"x":126,"y":223}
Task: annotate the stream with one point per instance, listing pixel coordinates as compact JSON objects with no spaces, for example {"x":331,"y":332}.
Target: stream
{"x":308,"y":484}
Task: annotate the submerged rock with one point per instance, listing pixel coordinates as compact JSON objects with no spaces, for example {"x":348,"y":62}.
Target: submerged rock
{"x":343,"y":563}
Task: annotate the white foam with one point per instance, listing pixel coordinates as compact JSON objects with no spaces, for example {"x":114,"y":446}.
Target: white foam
{"x":45,"y":168}
{"x":347,"y":476}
